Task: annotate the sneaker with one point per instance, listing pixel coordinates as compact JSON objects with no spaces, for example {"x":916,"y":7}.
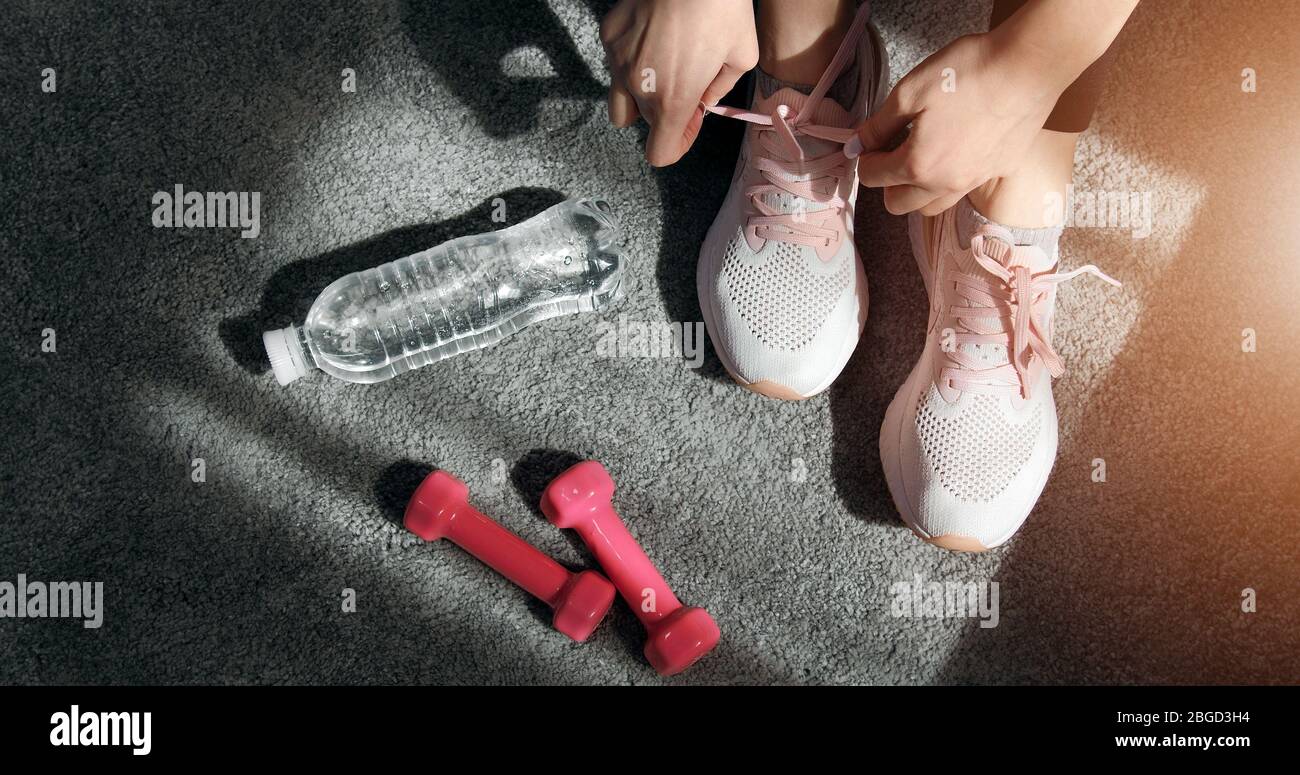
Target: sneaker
{"x":781,"y":289}
{"x":970,"y":438}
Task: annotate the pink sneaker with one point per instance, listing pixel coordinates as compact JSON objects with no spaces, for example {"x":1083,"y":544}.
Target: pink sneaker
{"x":781,"y":289}
{"x":970,"y":438}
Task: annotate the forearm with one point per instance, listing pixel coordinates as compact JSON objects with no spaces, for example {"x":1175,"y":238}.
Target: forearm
{"x":1059,"y":39}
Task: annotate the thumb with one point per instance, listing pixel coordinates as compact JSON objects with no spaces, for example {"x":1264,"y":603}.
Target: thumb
{"x":672,"y":132}
{"x":723,"y":83}
{"x":878,"y":167}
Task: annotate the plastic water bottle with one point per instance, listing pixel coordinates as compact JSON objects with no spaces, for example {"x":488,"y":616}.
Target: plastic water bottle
{"x":465,"y":294}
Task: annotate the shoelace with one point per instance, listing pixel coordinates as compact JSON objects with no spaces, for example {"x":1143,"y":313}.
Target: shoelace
{"x":779,"y":157}
{"x":1004,"y":312}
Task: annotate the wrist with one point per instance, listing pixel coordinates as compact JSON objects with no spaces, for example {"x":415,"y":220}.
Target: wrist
{"x":1024,"y":69}
{"x":1033,"y":63}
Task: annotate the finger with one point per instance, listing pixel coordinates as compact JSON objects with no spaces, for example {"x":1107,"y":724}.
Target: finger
{"x":942,"y":203}
{"x":615,"y":23}
{"x":622,"y":108}
{"x":670,"y":132}
{"x":901,"y":200}
{"x":879,"y":169}
{"x":723,"y":83}
{"x":880,"y":127}
{"x":692,"y":129}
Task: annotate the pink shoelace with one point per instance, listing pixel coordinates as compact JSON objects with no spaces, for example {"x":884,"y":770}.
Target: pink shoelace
{"x":1004,"y":310}
{"x":779,"y":157}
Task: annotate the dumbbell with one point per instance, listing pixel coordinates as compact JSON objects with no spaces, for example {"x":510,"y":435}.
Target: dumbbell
{"x":440,"y":509}
{"x":679,"y":635}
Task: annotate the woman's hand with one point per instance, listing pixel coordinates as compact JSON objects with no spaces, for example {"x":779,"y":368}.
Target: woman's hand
{"x":974,"y":112}
{"x":668,"y":56}
{"x":977,"y":104}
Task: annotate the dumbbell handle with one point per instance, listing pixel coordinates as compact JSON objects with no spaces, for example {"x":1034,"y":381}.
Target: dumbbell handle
{"x":626,"y":564}
{"x":508,"y":554}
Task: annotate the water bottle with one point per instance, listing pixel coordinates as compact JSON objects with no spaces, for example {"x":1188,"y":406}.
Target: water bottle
{"x":460,"y":296}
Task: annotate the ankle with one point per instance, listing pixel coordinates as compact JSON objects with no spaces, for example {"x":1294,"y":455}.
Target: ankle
{"x":797,"y":39}
{"x":969,"y":219}
{"x":1033,"y":197}
{"x":1018,"y":204}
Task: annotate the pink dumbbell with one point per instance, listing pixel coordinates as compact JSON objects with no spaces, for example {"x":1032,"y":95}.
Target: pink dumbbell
{"x":440,"y":508}
{"x":679,"y":635}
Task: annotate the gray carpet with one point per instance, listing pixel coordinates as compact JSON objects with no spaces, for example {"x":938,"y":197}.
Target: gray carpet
{"x":773,"y":516}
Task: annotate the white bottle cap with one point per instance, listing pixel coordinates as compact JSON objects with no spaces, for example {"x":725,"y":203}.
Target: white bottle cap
{"x":285,"y":351}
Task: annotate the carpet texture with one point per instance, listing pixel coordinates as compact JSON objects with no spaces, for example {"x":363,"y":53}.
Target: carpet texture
{"x":774,"y":516}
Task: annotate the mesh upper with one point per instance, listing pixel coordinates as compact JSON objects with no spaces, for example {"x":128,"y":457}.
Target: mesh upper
{"x":783,"y":302}
{"x":975,"y":454}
